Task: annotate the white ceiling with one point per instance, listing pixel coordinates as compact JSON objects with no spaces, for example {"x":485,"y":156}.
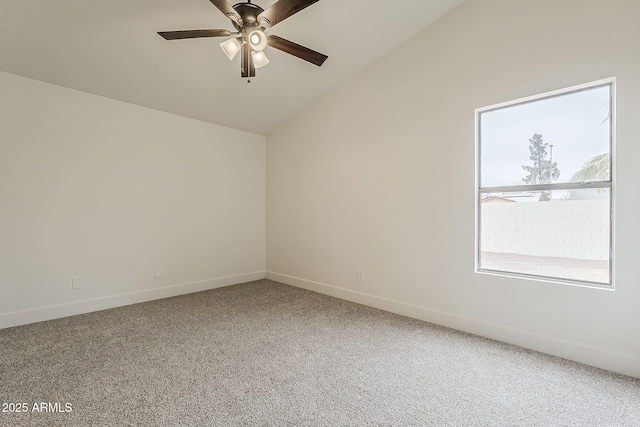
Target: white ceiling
{"x":110,"y":48}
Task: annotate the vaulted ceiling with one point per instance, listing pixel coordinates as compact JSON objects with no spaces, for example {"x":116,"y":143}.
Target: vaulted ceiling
{"x":110,"y":48}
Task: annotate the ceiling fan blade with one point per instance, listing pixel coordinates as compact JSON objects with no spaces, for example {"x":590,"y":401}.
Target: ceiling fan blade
{"x":229,"y":12}
{"x":193,"y":34}
{"x":281,"y":10}
{"x":295,"y":49}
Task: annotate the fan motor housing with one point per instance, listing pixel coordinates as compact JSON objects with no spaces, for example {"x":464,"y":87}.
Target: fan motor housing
{"x":248,"y":12}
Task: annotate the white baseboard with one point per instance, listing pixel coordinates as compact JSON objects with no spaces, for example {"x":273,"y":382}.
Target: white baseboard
{"x":600,"y":358}
{"x":24,"y":317}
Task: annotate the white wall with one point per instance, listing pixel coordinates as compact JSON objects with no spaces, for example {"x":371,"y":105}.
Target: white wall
{"x":108,"y":192}
{"x":352,"y":182}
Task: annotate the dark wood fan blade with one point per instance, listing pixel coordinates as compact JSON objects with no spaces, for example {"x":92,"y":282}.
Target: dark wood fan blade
{"x":193,"y":34}
{"x":229,"y":12}
{"x":296,"y":50}
{"x":281,"y":10}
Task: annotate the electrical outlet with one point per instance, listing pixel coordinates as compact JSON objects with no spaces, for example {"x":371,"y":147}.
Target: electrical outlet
{"x":360,"y":276}
{"x":157,"y":274}
{"x":76,"y":283}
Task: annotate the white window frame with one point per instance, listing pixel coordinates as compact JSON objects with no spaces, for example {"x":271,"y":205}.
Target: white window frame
{"x":610,"y":185}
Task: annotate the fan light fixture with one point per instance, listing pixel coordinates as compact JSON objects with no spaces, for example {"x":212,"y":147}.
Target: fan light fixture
{"x":230,"y":47}
{"x":259,"y":59}
{"x":257,"y":40}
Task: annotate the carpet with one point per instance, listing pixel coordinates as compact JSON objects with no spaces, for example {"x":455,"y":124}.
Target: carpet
{"x":267,"y":354}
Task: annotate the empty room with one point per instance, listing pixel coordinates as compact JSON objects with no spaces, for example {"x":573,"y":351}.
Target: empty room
{"x":319,"y":213}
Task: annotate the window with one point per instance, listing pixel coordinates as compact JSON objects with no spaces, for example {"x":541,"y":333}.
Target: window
{"x":545,"y":186}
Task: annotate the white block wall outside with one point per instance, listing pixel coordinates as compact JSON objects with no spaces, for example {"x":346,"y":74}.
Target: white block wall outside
{"x":576,"y":229}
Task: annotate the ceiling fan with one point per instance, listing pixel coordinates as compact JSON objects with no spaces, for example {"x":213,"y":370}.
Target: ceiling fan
{"x":250,"y":21}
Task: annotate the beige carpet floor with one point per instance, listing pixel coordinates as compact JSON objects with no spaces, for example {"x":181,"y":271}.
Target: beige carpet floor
{"x":267,"y":354}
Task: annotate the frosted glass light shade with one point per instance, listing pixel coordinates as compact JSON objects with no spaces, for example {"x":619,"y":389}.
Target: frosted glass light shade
{"x":230,"y":48}
{"x":259,"y":59}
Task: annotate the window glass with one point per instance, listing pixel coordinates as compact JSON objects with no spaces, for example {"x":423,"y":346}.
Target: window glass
{"x":566,"y":237}
{"x":545,"y":187}
{"x":571,"y":130}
